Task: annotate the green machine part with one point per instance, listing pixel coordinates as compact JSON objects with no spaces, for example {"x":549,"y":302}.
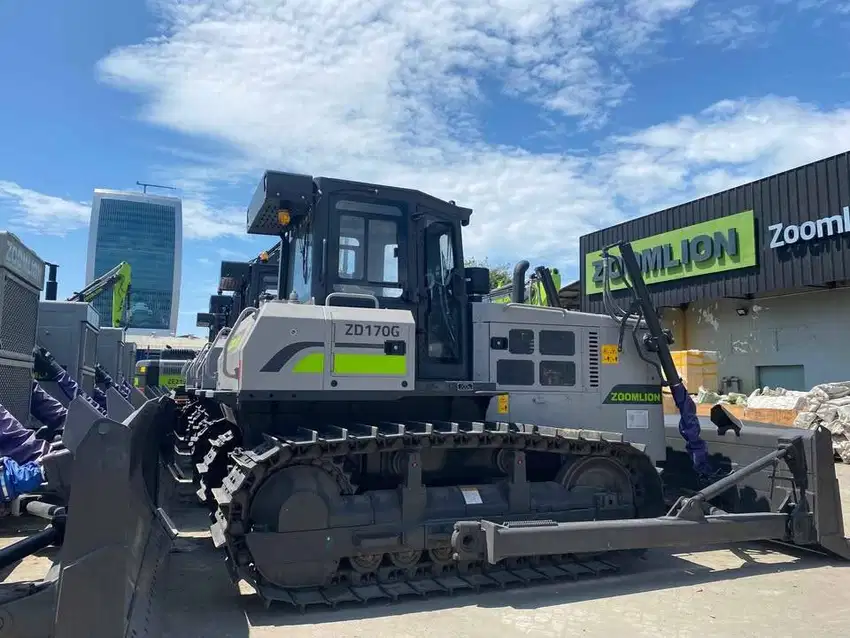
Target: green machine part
{"x":118,"y":280}
{"x":536,"y":295}
{"x":121,"y":295}
{"x":159,"y":372}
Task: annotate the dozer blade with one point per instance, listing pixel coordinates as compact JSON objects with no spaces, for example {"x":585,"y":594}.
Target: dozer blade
{"x":782,"y":488}
{"x":767,"y":489}
{"x":115,"y":541}
{"x":117,"y":407}
{"x":137,"y":398}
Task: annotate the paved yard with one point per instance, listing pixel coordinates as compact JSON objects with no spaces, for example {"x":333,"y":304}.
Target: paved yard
{"x":731,"y":591}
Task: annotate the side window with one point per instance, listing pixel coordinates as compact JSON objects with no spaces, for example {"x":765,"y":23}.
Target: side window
{"x":444,"y":311}
{"x":301,"y":265}
{"x":368,"y":248}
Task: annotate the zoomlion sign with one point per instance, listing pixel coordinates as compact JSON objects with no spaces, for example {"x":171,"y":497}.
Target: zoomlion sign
{"x":786,"y":234}
{"x":719,"y":245}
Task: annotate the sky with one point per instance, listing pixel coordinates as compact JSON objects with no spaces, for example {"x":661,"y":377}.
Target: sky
{"x":550,"y":119}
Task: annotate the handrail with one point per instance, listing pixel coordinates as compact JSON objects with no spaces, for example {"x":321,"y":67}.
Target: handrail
{"x":242,"y":316}
{"x":353,"y":295}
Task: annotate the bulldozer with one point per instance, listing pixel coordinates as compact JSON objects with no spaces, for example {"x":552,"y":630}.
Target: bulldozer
{"x":379,"y":397}
{"x":360,"y":436}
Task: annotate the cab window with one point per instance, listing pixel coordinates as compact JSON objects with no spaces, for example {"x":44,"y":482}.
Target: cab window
{"x":368,"y":249}
{"x":301,"y":264}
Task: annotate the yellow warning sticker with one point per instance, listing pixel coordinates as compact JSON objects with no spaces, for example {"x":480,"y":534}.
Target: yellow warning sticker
{"x":503,"y":404}
{"x":610,"y":354}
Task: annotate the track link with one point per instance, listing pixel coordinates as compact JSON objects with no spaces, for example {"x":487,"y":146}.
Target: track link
{"x":419,"y":568}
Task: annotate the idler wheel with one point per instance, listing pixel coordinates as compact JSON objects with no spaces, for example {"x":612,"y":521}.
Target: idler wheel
{"x":291,"y":541}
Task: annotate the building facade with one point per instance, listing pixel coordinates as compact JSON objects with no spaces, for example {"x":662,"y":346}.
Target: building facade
{"x":757,"y":273}
{"x":146,"y":231}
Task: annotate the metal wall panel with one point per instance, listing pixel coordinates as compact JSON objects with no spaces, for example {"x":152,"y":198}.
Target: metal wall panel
{"x":807,"y":193}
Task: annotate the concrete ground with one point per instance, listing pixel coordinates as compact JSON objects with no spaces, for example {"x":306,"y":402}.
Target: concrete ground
{"x":727,"y":591}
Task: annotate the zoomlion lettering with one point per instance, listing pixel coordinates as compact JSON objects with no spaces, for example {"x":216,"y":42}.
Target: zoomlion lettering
{"x":634,"y":395}
{"x":696,"y":250}
{"x":787,"y":234}
{"x":20,"y":260}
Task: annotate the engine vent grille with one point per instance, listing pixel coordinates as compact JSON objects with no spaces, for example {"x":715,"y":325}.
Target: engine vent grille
{"x":20,"y":309}
{"x":90,"y":348}
{"x":593,"y":359}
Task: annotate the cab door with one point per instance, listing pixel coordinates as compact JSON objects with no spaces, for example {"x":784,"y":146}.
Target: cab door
{"x":442,"y":311}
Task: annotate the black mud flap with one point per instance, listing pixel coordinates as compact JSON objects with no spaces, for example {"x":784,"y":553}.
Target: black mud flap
{"x":768,"y":489}
{"x":116,"y":541}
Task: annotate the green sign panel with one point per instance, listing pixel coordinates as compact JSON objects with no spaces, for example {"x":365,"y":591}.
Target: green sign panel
{"x":727,"y":243}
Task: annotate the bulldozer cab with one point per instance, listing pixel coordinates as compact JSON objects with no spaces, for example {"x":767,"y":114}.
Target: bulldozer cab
{"x":366,"y":245}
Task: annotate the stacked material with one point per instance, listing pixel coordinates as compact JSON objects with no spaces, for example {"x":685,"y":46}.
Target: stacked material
{"x":733,"y":398}
{"x":828,"y":405}
{"x":698,"y":368}
{"x":777,"y":399}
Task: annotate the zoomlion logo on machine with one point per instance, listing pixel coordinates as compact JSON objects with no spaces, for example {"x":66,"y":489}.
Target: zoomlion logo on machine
{"x":787,"y":234}
{"x":629,"y":394}
{"x":23,"y":261}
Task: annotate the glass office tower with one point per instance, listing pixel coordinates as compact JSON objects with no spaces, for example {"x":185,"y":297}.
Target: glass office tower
{"x":146,"y":231}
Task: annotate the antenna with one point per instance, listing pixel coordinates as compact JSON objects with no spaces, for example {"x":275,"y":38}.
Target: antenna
{"x":145,"y":185}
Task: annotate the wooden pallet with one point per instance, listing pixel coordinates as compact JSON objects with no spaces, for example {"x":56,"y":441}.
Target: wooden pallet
{"x":760,"y":415}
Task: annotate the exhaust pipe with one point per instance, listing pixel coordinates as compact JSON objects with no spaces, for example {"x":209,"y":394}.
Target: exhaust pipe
{"x":518,"y":287}
{"x":52,"y":284}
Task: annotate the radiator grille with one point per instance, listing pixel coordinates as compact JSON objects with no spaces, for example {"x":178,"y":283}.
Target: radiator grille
{"x":593,"y":358}
{"x":20,"y":313}
{"x":90,"y":348}
{"x":15,"y":390}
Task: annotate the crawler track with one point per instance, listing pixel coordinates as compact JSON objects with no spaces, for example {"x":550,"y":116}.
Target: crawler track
{"x":388,"y":544}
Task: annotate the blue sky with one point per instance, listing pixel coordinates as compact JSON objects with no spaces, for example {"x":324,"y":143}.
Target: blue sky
{"x":549,"y":119}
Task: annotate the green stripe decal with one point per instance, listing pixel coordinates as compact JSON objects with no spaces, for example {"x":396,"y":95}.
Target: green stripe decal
{"x":371,"y":364}
{"x":313,"y":363}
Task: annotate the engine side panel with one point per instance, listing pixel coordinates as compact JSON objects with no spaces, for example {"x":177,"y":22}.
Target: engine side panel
{"x":209,"y":371}
{"x":562,"y":369}
{"x":372,"y":349}
{"x":302,"y":347}
{"x":285,"y":348}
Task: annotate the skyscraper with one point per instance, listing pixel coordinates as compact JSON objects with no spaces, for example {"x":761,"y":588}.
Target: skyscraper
{"x":146,"y":231}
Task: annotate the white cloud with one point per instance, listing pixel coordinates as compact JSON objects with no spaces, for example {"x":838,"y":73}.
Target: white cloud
{"x":727,"y":144}
{"x":385,"y":68}
{"x":732,"y":27}
{"x":203,"y":221}
{"x":388,"y":91}
{"x":234,"y":255}
{"x":46,"y":214}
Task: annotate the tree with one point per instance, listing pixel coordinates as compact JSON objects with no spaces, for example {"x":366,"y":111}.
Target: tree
{"x":499,"y":275}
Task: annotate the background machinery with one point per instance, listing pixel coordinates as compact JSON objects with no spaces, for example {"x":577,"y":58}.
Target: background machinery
{"x":535,"y":291}
{"x":116,"y":280}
